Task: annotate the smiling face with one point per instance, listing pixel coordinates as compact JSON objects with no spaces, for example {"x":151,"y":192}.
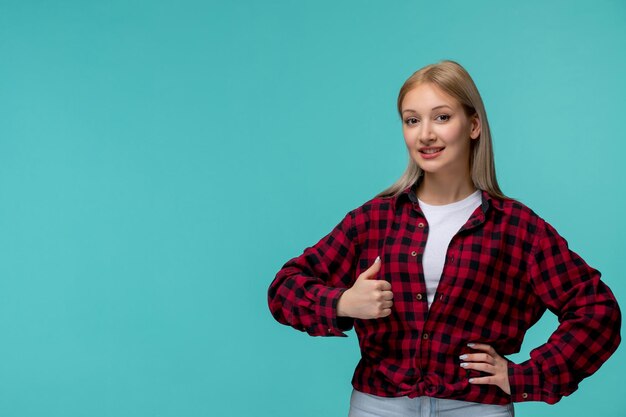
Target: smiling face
{"x":437,"y":131}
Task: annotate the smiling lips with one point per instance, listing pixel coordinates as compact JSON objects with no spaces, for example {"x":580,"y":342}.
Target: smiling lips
{"x":431,"y":152}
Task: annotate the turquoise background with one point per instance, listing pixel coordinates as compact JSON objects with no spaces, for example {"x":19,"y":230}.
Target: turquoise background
{"x":161,"y":160}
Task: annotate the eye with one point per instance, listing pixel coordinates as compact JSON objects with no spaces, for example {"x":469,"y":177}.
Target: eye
{"x":443,"y":117}
{"x":410,"y":121}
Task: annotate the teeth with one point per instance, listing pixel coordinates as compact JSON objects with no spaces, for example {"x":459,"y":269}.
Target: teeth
{"x":431,"y":150}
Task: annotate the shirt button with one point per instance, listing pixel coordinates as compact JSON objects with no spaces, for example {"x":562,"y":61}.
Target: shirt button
{"x":413,"y":253}
{"x":418,"y":296}
{"x":420,"y":225}
{"x":452,"y":259}
{"x":524,"y":395}
{"x":330,"y":330}
{"x":425,"y":336}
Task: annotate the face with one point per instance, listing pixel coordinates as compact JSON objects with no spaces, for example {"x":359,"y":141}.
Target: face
{"x":437,"y":131}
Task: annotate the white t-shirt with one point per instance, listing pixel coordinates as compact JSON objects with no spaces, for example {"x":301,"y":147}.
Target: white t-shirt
{"x":443,"y":223}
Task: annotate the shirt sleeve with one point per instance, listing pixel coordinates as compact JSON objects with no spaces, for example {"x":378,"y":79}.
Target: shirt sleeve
{"x":306,"y":290}
{"x":589,"y":323}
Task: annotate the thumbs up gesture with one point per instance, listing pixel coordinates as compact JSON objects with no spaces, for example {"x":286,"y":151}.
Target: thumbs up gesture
{"x":368,"y":298}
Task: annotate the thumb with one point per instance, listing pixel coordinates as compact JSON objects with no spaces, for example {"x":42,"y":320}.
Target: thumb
{"x":372,"y":271}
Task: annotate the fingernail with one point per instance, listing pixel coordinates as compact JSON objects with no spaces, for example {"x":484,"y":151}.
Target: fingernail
{"x":463,"y":365}
{"x":463,"y":357}
{"x":471,"y":344}
{"x":377,"y":259}
{"x":470,"y":380}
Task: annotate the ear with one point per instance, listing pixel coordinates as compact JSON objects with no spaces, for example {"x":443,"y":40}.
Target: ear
{"x":476,"y":125}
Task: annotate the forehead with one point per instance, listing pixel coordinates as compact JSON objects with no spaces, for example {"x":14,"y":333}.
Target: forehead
{"x":425,"y":96}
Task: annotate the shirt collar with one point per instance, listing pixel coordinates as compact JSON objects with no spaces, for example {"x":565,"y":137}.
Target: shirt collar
{"x":409,"y":193}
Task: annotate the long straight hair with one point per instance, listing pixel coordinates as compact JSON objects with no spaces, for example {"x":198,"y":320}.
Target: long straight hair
{"x":454,"y":80}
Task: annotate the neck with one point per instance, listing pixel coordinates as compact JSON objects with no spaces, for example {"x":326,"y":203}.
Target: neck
{"x":439,"y":190}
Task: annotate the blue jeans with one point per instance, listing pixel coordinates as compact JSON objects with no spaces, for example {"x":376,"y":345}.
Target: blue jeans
{"x":367,"y":405}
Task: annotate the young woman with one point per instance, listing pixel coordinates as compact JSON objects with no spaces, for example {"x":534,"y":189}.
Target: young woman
{"x":441,"y":276}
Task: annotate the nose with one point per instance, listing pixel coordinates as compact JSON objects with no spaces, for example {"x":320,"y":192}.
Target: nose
{"x":425,"y":134}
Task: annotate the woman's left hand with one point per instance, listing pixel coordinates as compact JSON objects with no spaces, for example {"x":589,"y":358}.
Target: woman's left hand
{"x":490,"y":362}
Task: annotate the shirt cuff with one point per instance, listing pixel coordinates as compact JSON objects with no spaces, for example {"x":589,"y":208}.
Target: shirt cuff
{"x":526,"y":384}
{"x":326,"y":310}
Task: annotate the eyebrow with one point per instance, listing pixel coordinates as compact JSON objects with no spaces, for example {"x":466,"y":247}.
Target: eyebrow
{"x":434,"y":108}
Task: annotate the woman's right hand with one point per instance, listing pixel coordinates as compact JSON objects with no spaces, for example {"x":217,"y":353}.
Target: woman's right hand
{"x":368,"y":298}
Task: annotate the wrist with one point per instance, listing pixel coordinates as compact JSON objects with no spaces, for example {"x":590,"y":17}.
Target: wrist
{"x":343,"y":303}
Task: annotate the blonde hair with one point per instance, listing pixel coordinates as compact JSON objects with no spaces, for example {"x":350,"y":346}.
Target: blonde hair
{"x":455,"y":81}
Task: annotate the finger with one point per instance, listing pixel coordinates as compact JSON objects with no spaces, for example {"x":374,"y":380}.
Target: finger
{"x":382,"y":296}
{"x":479,"y":366}
{"x":386,"y":304}
{"x":387,"y":295}
{"x":372,"y":271}
{"x":490,"y":380}
{"x":478,"y":357}
{"x":383,"y":285}
{"x":385,"y":312}
{"x":484,"y":347}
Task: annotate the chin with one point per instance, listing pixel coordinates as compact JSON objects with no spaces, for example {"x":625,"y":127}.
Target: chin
{"x":428,"y":167}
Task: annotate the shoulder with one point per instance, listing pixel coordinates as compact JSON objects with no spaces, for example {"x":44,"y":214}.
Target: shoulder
{"x":373,"y":215}
{"x":519,"y":215}
{"x":377,"y":204}
{"x":377,"y":207}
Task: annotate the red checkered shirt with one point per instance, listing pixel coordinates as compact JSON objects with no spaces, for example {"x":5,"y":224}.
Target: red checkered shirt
{"x":503,"y":269}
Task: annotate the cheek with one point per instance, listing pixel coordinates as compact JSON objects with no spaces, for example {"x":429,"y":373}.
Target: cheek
{"x":455,"y":136}
{"x":409,"y":140}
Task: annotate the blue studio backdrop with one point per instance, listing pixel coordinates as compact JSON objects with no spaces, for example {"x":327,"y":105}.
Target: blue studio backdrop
{"x":161,"y":160}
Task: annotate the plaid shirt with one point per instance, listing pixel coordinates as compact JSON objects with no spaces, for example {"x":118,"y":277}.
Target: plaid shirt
{"x":503,"y":269}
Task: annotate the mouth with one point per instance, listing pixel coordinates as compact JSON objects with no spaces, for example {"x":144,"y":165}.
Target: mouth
{"x":431,"y":152}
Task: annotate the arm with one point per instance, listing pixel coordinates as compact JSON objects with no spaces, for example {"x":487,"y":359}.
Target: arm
{"x":589,"y":323}
{"x":306,"y":290}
